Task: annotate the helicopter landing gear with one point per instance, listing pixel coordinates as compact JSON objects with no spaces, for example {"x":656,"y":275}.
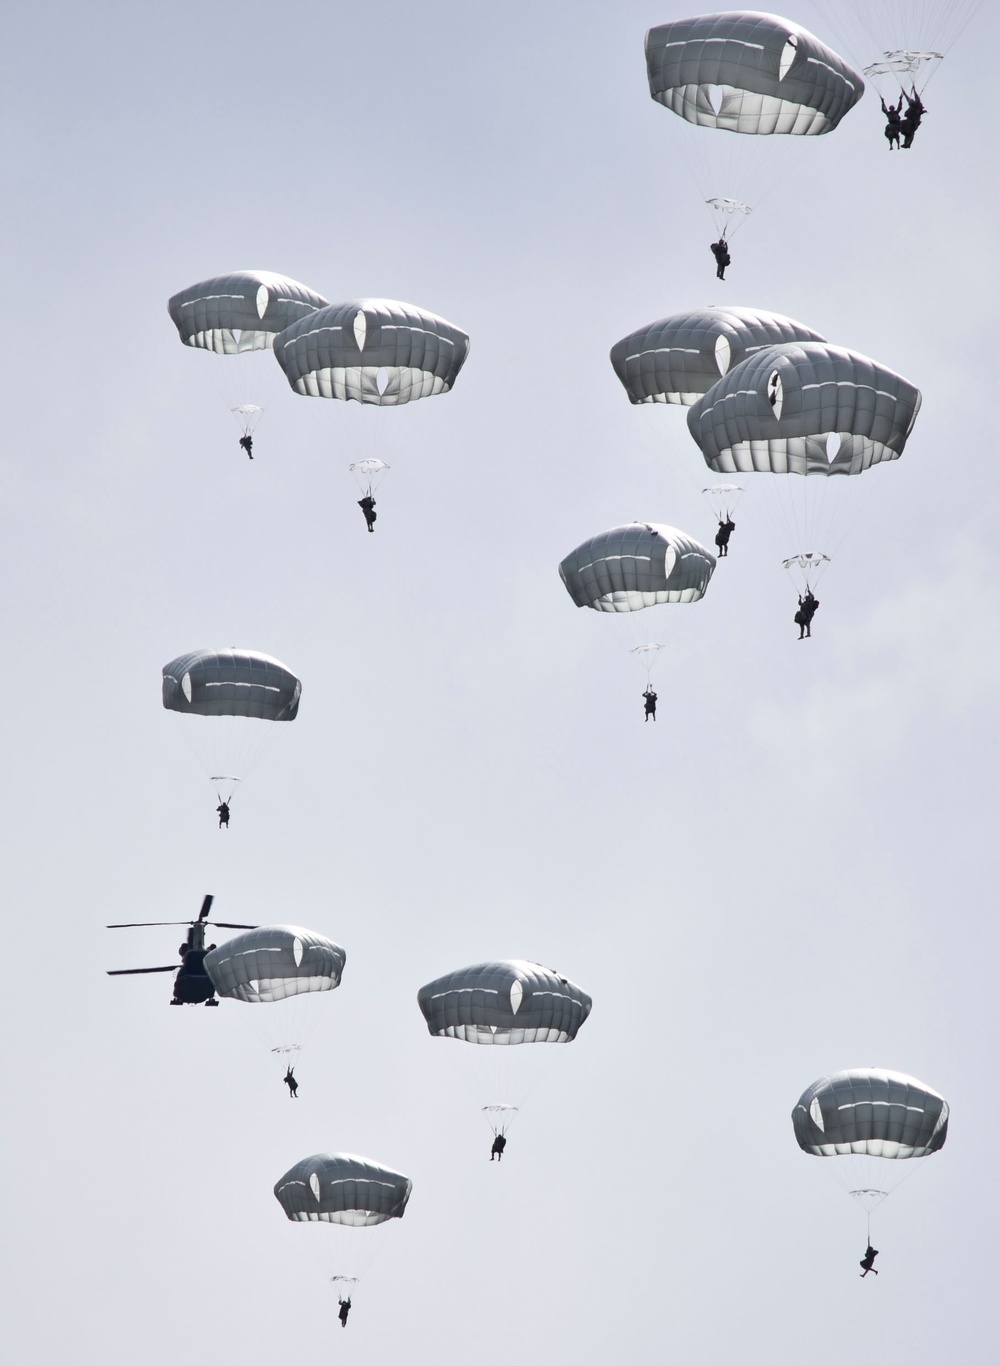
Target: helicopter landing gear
{"x":212,"y":1002}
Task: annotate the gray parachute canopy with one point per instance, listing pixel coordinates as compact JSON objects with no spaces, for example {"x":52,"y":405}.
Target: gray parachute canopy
{"x":767,"y":75}
{"x":870,"y":1111}
{"x":231,"y":683}
{"x":275,"y":962}
{"x":804,"y":408}
{"x":373,"y":350}
{"x":677,"y":359}
{"x":511,"y":1001}
{"x":242,"y":311}
{"x":635,"y":566}
{"x":340,"y":1188}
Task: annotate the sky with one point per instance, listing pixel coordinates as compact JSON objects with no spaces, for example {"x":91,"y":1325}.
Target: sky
{"x":788,"y":874}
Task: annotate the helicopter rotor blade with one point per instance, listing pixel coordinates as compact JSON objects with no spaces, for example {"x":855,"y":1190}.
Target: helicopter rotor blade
{"x":219,"y":924}
{"x":130,"y":972}
{"x":139,"y":924}
{"x":206,"y":906}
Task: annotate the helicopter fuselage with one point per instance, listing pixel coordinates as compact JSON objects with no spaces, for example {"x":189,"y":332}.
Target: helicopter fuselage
{"x":192,"y":985}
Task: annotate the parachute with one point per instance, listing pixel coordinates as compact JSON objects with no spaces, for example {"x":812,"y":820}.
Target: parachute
{"x":234,"y":694}
{"x":239,"y":315}
{"x":870,"y":1121}
{"x":728,"y":205}
{"x":368,"y":474}
{"x":231,"y":683}
{"x":757,"y":75}
{"x":274,"y":963}
{"x":678,"y":359}
{"x":724,"y":210}
{"x":895,"y":63}
{"x":870,"y":1112}
{"x":639,"y":565}
{"x":632,"y":567}
{"x":351,"y":1196}
{"x":751,"y":73}
{"x":805,"y":408}
{"x":375,"y":351}
{"x":811,"y":560}
{"x":500,"y":1005}
{"x":340,"y":1188}
{"x":504,"y":1003}
{"x":379,"y":353}
{"x":722,"y":499}
{"x":286,"y":967}
{"x":806,"y":570}
{"x":239,"y":312}
{"x":648,"y":656}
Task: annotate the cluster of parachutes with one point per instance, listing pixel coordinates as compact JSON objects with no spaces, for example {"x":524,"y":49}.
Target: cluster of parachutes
{"x":377,"y":352}
{"x":775,"y":85}
{"x":869,"y":1120}
{"x":504,"y":1009}
{"x":381,"y":353}
{"x":767,"y":395}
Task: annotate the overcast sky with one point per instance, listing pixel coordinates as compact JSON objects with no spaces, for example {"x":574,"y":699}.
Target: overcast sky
{"x":790,"y":873}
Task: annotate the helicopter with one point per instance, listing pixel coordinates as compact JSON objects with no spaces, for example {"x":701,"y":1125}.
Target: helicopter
{"x":192,"y":985}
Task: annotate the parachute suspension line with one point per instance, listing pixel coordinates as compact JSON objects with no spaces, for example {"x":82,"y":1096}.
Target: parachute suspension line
{"x":345,"y":1255}
{"x":830,"y":517}
{"x":287,"y":1029}
{"x":722,"y":499}
{"x":223,"y":794}
{"x":225,"y":750}
{"x":647,"y":655}
{"x":500,"y":1118}
{"x":866,"y":30}
{"x":363,"y":431}
{"x":242,"y":382}
{"x":248,"y":415}
{"x":811,"y":514}
{"x":725,"y":212}
{"x":740,"y":167}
